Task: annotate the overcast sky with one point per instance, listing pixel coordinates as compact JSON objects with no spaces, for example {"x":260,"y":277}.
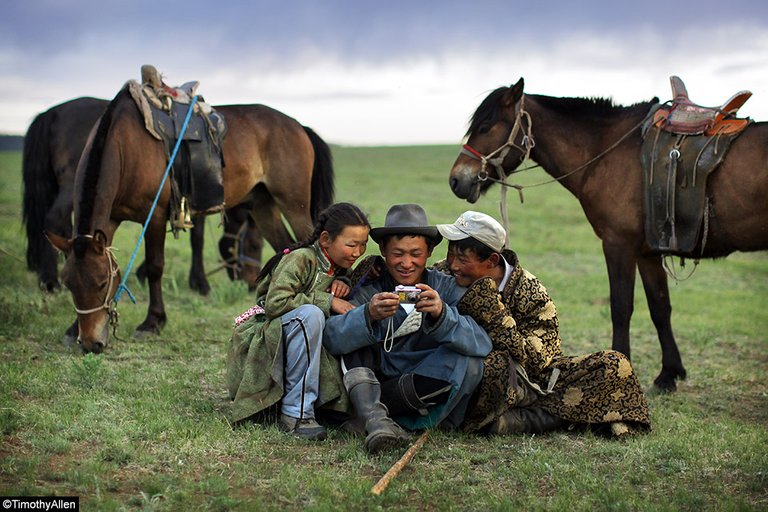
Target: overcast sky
{"x":385,"y":72}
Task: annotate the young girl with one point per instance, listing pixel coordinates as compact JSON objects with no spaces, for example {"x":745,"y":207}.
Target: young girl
{"x":275,"y":353}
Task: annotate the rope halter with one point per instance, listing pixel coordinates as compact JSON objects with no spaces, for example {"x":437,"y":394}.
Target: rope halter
{"x":496,"y":157}
{"x":108,"y":304}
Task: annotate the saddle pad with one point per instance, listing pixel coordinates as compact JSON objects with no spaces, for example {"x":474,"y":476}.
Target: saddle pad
{"x":675,"y":172}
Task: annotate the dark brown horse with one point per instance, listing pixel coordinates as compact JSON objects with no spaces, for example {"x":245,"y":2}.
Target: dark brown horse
{"x":52,"y":148}
{"x":564,"y":134}
{"x":121,"y":170}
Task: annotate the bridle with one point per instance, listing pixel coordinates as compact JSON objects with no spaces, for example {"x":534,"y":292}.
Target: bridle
{"x":108,"y":304}
{"x":238,"y":258}
{"x":497,"y":156}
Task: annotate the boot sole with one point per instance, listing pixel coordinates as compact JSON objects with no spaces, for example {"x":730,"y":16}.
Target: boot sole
{"x":385,"y":442}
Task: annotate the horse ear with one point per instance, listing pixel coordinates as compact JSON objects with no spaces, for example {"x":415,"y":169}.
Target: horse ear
{"x":59,"y":242}
{"x":99,"y":241}
{"x":514,"y":93}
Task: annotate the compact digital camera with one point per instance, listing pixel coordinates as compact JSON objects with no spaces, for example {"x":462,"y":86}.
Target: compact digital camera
{"x":407,"y":294}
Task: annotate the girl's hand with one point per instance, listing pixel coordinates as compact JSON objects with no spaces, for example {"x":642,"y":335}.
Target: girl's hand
{"x":339,"y":288}
{"x":340,"y":306}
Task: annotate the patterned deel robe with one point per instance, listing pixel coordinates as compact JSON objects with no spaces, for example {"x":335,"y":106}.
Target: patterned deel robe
{"x":597,"y":388}
{"x":255,"y":359}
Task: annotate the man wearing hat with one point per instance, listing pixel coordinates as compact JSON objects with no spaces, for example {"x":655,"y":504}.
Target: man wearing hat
{"x":419,"y":362}
{"x":528,"y":385}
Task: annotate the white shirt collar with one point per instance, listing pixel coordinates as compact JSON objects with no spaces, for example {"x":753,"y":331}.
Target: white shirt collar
{"x":507,"y":272}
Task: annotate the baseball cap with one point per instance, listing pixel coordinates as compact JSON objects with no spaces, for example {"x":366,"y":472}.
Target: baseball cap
{"x":481,"y":227}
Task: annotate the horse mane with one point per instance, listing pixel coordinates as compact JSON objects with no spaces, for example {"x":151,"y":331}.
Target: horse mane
{"x":593,"y":108}
{"x":490,"y":110}
{"x":93,"y":166}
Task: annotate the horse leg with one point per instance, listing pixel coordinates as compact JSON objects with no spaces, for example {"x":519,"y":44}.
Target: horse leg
{"x":621,"y":278}
{"x":657,"y":294}
{"x":197,"y":279}
{"x":154,"y":262}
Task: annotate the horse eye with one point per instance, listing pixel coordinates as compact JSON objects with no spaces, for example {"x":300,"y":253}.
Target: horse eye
{"x":103,"y":285}
{"x":483,"y":129}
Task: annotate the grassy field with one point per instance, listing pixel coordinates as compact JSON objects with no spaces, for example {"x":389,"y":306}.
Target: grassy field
{"x":140,"y":427}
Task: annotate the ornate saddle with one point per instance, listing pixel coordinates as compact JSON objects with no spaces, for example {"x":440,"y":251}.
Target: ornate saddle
{"x":686,"y":117}
{"x":682,"y":145}
{"x":197,"y":185}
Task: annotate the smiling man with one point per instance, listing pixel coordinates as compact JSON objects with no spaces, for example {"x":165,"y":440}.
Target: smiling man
{"x":418,"y":362}
{"x":529,"y":385}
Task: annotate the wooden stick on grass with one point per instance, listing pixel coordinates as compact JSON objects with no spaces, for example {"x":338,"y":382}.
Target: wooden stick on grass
{"x":398,"y":466}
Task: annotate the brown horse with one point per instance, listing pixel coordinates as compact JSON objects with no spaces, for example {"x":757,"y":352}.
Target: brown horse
{"x":52,"y":148}
{"x":121,"y":170}
{"x":593,"y":148}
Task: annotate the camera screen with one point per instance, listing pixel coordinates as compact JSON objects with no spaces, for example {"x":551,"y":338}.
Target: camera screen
{"x":409,"y":295}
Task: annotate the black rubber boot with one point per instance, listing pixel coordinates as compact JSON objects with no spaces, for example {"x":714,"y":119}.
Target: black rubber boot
{"x":365,"y":394}
{"x":525,"y":420}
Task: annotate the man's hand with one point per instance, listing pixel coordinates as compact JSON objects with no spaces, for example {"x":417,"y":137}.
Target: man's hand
{"x":429,"y":301}
{"x":383,"y":305}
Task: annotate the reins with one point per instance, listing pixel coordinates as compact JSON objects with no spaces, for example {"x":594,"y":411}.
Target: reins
{"x":123,"y":287}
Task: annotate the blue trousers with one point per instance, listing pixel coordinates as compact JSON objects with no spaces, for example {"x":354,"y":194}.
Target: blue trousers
{"x":302,"y":342}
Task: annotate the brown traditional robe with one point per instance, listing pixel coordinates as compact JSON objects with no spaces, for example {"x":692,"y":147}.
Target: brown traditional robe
{"x":600,"y":388}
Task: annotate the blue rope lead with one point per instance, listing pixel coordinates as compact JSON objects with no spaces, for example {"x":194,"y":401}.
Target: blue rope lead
{"x":123,"y":287}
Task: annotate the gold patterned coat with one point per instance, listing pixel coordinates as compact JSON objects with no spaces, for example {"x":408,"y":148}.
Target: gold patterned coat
{"x":597,"y":388}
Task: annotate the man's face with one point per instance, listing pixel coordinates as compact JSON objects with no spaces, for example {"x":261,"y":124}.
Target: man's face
{"x":465,"y":266}
{"x":406,"y":258}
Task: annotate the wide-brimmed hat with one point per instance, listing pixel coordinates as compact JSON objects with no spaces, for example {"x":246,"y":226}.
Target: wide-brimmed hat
{"x":406,"y":219}
{"x":483,"y":228}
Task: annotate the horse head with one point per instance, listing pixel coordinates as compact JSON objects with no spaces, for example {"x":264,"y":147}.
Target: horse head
{"x":498,"y":140}
{"x":92,"y":276}
{"x":241,"y":245}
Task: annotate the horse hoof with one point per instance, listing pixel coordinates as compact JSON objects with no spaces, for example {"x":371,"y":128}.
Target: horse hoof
{"x":201,"y":287}
{"x":49,"y":286}
{"x":141,"y":334}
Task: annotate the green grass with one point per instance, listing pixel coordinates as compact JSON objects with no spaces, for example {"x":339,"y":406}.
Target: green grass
{"x":141,"y":426}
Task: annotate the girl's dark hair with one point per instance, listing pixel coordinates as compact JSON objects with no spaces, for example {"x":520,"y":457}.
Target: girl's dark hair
{"x":333,"y":220}
{"x":482,"y":251}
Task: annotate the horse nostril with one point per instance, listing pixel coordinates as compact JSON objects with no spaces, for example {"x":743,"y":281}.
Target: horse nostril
{"x":98,"y":347}
{"x":454,"y":183}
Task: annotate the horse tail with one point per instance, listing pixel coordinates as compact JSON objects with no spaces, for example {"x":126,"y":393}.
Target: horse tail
{"x":40,"y":185}
{"x":322,"y":175}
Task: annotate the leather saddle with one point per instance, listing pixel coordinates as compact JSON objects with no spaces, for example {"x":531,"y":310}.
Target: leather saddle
{"x":197,"y":184}
{"x":684,"y":143}
{"x":684,"y":116}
